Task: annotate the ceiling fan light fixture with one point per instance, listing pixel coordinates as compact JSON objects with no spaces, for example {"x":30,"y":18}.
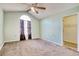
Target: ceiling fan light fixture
{"x":32,"y":8}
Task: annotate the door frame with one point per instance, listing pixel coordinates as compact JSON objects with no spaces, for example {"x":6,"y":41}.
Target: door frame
{"x":76,"y":27}
{"x":62,"y":38}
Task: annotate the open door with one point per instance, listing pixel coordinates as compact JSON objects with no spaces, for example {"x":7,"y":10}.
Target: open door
{"x":70,"y":31}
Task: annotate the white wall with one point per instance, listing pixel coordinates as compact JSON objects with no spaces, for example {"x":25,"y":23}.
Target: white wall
{"x":78,"y":31}
{"x":12,"y":26}
{"x":35,"y":29}
{"x":1,"y":29}
{"x":52,"y":26}
{"x":51,"y":30}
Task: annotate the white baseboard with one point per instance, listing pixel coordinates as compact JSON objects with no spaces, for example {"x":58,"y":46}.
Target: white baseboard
{"x":57,"y":43}
{"x":11,"y":41}
{"x":1,"y":46}
{"x":54,"y":42}
{"x":36,"y":38}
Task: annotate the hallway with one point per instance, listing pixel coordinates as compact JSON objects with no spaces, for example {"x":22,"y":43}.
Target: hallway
{"x":36,"y":47}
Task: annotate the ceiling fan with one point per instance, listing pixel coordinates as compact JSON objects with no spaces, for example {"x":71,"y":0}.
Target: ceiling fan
{"x":34,"y":8}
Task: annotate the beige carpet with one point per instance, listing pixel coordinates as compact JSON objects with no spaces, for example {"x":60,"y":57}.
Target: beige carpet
{"x":35,"y":48}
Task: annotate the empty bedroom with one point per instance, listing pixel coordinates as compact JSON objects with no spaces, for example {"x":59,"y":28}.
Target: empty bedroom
{"x":39,"y":29}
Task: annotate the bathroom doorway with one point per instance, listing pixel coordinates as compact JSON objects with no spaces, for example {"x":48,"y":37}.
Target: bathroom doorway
{"x":70,"y":31}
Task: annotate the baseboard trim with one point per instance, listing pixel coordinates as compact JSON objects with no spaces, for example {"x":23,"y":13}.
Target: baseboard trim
{"x":36,"y":38}
{"x":1,"y":46}
{"x":54,"y":42}
{"x":11,"y":41}
{"x":57,"y":43}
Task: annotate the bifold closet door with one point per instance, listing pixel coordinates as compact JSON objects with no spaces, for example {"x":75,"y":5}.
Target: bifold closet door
{"x":70,"y":28}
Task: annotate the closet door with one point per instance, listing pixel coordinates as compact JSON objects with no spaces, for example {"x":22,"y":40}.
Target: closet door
{"x":70,"y":29}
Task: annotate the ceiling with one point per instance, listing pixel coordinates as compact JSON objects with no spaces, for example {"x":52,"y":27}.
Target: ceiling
{"x":51,"y":8}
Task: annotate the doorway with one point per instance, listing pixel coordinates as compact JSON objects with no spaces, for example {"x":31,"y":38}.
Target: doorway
{"x":25,"y":28}
{"x":70,"y":31}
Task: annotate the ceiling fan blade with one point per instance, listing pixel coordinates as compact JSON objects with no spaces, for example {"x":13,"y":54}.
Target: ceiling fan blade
{"x":43,"y":8}
{"x":34,"y":4}
{"x":36,"y":11}
{"x":28,"y":10}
